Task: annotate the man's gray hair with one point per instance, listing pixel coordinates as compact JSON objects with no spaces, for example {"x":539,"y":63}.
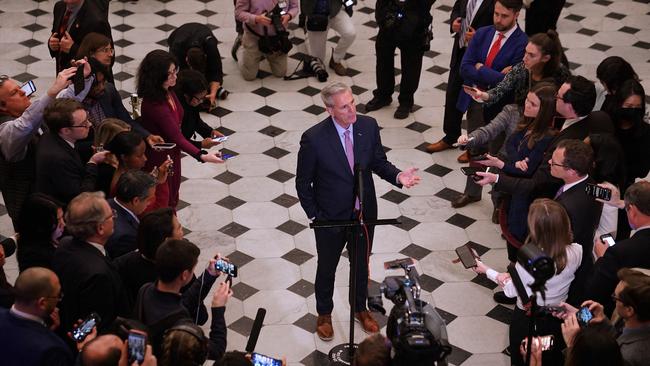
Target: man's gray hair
{"x":84,"y":213}
{"x":333,"y":89}
{"x":638,"y":194}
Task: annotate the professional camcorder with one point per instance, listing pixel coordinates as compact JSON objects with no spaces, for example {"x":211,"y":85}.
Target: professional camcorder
{"x":416,"y":330}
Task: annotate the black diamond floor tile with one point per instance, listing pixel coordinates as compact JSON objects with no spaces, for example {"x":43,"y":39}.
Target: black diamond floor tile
{"x":500,"y":313}
{"x":122,"y":59}
{"x":407,"y":223}
{"x":482,"y":280}
{"x":587,"y":32}
{"x":36,"y":12}
{"x":603,"y":2}
{"x":395,"y":196}
{"x":242,"y":291}
{"x":614,"y":15}
{"x":34,"y":27}
{"x":446,"y":316}
{"x":442,"y":86}
{"x":461,"y":221}
{"x":31,"y":43}
{"x":239,"y":259}
{"x":281,"y":175}
{"x":123,"y":13}
{"x":302,"y":288}
{"x":458,"y":355}
{"x":225,"y":131}
{"x":629,"y":30}
{"x":165,"y":13}
{"x":276,"y":152}
{"x":642,"y":44}
{"x":285,"y":200}
{"x":307,"y":322}
{"x":438,"y":170}
{"x":165,"y":27}
{"x":429,"y":283}
{"x":431,"y":54}
{"x":220,"y":112}
{"x":358,"y":90}
{"x":230,"y":202}
{"x":267,"y":110}
{"x":573,"y":17}
{"x":314,"y":109}
{"x":206,"y":13}
{"x":418,"y":127}
{"x":122,"y":43}
{"x":263,"y":92}
{"x":29,"y":59}
{"x":181,"y":205}
{"x":123,"y":27}
{"x":444,"y":8}
{"x":121,"y":76}
{"x":242,"y":326}
{"x":227,"y":177}
{"x":291,"y":227}
{"x":309,"y":90}
{"x":271,"y":131}
{"x":599,"y":47}
{"x":234,"y":229}
{"x":415,"y":251}
{"x":438,"y":70}
{"x":478,"y":248}
{"x":316,"y":358}
{"x":448,"y":194}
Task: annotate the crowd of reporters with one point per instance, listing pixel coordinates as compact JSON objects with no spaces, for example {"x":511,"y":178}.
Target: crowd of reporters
{"x":119,"y":252}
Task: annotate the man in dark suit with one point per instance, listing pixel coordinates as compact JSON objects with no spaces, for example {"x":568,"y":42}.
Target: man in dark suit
{"x":325,"y":182}
{"x":629,"y":253}
{"x":73,"y":20}
{"x":135,"y":191}
{"x":90,"y":281}
{"x":466,"y":16}
{"x":25,"y":336}
{"x":571,"y":162}
{"x":60,"y":172}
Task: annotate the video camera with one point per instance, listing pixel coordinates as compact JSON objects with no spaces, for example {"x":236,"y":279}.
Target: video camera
{"x":281,"y":42}
{"x":416,"y":330}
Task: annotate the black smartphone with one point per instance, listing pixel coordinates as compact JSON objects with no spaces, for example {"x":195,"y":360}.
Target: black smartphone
{"x":82,"y":331}
{"x":607,"y":239}
{"x":78,"y":80}
{"x":466,"y":256}
{"x":399,"y":263}
{"x":478,"y":157}
{"x":227,"y":156}
{"x":259,"y":359}
{"x":470,"y":170}
{"x":29,"y":88}
{"x":584,"y":316}
{"x":226,"y":267}
{"x":598,"y":192}
{"x":550,"y":309}
{"x":137,"y":343}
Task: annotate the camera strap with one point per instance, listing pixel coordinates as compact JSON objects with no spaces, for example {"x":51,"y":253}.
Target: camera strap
{"x":519,"y":287}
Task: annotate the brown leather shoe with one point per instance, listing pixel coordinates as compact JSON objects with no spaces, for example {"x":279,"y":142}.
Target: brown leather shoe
{"x":324,"y":328}
{"x":338,"y":68}
{"x":367,"y":322}
{"x":464,"y":200}
{"x":463,"y":158}
{"x":438,"y":146}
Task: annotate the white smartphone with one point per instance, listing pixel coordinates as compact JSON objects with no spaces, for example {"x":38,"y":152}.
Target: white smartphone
{"x":29,"y":88}
{"x":164,"y":146}
{"x":220,"y":139}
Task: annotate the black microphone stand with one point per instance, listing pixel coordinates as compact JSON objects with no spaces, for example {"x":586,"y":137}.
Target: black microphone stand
{"x":343,"y":354}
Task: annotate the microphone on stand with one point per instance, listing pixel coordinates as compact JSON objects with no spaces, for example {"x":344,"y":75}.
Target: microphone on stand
{"x":358,"y":180}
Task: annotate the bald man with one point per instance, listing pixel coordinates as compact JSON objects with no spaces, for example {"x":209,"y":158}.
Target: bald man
{"x":26,"y":336}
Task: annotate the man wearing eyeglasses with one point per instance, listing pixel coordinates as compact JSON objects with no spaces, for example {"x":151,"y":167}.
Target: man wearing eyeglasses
{"x":21,"y":125}
{"x":60,"y":171}
{"x":26,"y":330}
{"x":90,"y":281}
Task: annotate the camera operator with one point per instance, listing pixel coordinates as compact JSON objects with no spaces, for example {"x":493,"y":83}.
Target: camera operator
{"x":373,"y":351}
{"x":403,"y":24}
{"x":265,"y":34}
{"x":195,"y":47}
{"x":191,"y":90}
{"x":321,"y":15}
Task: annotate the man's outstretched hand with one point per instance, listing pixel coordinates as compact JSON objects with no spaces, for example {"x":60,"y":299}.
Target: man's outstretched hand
{"x":408,"y":178}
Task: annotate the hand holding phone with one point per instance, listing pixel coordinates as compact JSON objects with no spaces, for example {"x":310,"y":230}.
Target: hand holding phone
{"x":220,"y":139}
{"x":545,"y":342}
{"x":86,"y":327}
{"x":137,"y":346}
{"x":259,"y":359}
{"x":608,"y":239}
{"x":584,"y":316}
{"x":28,"y":88}
{"x":597,"y":191}
{"x":466,"y":256}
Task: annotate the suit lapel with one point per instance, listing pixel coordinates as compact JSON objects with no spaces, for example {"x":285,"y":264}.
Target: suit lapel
{"x":335,"y":144}
{"x":483,"y":8}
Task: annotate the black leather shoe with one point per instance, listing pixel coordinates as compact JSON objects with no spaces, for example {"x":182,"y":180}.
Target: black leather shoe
{"x":376,"y":103}
{"x":501,"y":298}
{"x":402,"y":112}
{"x":464,"y":200}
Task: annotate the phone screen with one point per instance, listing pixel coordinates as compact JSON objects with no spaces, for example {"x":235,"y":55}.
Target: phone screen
{"x":584,"y":316}
{"x":598,"y":192}
{"x":84,"y":328}
{"x":466,"y":256}
{"x":607,"y":239}
{"x":227,"y":156}
{"x":226,"y":267}
{"x":29,"y":88}
{"x":220,"y":139}
{"x":137,"y":346}
{"x":261,"y":360}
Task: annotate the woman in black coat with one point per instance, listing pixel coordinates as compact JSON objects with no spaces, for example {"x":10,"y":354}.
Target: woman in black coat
{"x":40,"y":226}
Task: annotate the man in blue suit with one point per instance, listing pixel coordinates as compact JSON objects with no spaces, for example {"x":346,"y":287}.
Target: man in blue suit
{"x":325,"y":182}
{"x":26,"y":337}
{"x":489,"y":57}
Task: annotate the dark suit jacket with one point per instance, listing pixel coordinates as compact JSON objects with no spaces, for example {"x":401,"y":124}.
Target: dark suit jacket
{"x":192,"y":123}
{"x":483,"y":17}
{"x":542,"y":184}
{"x":113,"y":107}
{"x":197,"y":35}
{"x":125,"y":232}
{"x":584,"y":212}
{"x":324,"y":181}
{"x":25,"y":342}
{"x":90,"y":283}
{"x":510,"y":54}
{"x":60,"y":172}
{"x":92,"y":17}
{"x":628,"y":253}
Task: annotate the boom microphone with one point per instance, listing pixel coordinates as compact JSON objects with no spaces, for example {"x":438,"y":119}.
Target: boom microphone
{"x":255,"y":330}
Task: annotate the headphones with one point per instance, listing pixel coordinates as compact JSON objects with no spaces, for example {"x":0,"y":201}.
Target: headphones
{"x":196,"y":332}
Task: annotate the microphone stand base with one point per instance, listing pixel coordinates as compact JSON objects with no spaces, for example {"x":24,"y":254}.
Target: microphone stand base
{"x":342,"y":354}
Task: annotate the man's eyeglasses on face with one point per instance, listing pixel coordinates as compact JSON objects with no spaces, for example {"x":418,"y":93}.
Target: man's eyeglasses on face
{"x":112,"y":216}
{"x":556,"y":164}
{"x":58,"y":298}
{"x":85,"y":124}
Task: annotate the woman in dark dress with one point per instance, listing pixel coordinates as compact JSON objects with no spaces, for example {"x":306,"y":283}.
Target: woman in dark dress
{"x":40,"y":226}
{"x":162,"y":114}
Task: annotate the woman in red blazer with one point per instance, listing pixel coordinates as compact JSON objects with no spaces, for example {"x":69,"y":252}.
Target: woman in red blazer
{"x":162,"y":115}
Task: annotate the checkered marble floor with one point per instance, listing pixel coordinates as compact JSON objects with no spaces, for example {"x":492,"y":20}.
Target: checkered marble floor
{"x":248,"y":208}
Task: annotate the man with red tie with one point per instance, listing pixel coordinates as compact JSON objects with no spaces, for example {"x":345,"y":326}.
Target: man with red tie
{"x":73,"y":20}
{"x":325,"y":182}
